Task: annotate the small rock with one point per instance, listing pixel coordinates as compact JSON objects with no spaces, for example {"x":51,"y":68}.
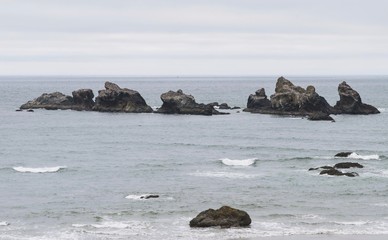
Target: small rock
{"x":348,"y":165}
{"x":343,"y":154}
{"x":149,"y":196}
{"x":224,"y":217}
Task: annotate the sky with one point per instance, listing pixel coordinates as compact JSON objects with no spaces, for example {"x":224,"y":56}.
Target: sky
{"x":197,"y":37}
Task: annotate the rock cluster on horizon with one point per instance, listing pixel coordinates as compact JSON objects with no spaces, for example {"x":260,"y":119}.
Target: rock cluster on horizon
{"x":289,"y":99}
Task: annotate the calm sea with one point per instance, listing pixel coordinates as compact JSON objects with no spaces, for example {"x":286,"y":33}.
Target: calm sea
{"x":80,"y":175}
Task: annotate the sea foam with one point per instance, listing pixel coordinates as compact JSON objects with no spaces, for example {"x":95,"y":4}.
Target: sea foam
{"x":236,"y":162}
{"x":4,"y":223}
{"x":364,"y":157}
{"x":38,"y":169}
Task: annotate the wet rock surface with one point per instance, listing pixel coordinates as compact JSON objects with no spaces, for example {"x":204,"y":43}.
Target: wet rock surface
{"x":224,"y":217}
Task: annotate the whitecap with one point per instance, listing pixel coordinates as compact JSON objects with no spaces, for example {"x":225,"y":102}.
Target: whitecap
{"x":236,"y":162}
{"x":39,"y":169}
{"x":364,"y":157}
{"x":223,"y":175}
{"x":4,"y":223}
{"x":382,"y":109}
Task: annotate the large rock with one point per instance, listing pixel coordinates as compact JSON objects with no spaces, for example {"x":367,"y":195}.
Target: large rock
{"x":289,"y":99}
{"x":180,"y":103}
{"x":116,"y":99}
{"x":348,"y":165}
{"x":258,"y":100}
{"x":224,"y":217}
{"x":350,"y":102}
{"x":83,"y":99}
{"x":51,"y":101}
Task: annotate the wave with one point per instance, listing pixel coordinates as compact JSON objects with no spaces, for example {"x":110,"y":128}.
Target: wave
{"x":38,"y":170}
{"x":364,"y":157}
{"x":4,"y":223}
{"x":382,"y":109}
{"x":236,"y":162}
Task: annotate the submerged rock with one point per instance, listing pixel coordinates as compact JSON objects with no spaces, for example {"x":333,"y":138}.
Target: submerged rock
{"x":343,"y":154}
{"x":320,"y":116}
{"x":149,"y":196}
{"x":116,"y":99}
{"x":224,"y":217}
{"x":180,"y":103}
{"x":350,"y":102}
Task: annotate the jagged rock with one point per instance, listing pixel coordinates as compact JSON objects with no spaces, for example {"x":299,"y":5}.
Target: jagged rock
{"x":343,"y":154}
{"x":224,"y":217}
{"x":180,"y":103}
{"x":348,"y":165}
{"x":116,"y":99}
{"x":320,"y":116}
{"x":50,"y":101}
{"x":224,"y":106}
{"x":258,"y":101}
{"x":83,"y":99}
{"x":350,"y":102}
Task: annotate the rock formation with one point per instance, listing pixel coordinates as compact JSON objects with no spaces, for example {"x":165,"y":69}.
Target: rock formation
{"x":50,"y":101}
{"x":350,"y":102}
{"x":116,"y":99}
{"x":289,"y":99}
{"x":334,"y":170}
{"x":180,"y":103}
{"x":224,"y":217}
{"x":83,"y":99}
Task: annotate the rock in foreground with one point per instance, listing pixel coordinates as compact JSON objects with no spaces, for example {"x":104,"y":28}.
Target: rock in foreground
{"x":224,"y":217}
{"x":180,"y":103}
{"x":116,"y":99}
{"x":350,"y":102}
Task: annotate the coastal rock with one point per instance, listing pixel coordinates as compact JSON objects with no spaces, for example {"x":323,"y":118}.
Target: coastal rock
{"x":348,"y":165}
{"x":343,"y":154}
{"x":180,"y":103}
{"x":335,"y":172}
{"x":83,"y":99}
{"x":289,"y":99}
{"x":116,"y":99}
{"x":50,"y":101}
{"x":350,"y":102}
{"x":224,"y":106}
{"x":149,"y":196}
{"x":224,"y":217}
{"x":258,"y":101}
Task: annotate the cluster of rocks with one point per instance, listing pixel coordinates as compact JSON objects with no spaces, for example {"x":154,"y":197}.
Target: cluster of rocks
{"x":289,"y":99}
{"x":116,"y":99}
{"x":333,"y":170}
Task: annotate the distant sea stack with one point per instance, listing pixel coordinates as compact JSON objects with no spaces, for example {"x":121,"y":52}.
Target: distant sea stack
{"x":181,"y":103}
{"x":112,"y":99}
{"x":350,"y":102}
{"x":116,"y":99}
{"x":289,"y":99}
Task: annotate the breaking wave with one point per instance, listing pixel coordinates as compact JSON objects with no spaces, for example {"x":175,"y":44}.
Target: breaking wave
{"x":236,"y":162}
{"x":364,"y":157}
{"x":39,"y":169}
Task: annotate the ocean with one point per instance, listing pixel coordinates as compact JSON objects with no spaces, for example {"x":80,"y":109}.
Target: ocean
{"x":79,"y":175}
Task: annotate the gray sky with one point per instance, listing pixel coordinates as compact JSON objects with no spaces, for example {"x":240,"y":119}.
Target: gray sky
{"x":197,"y":37}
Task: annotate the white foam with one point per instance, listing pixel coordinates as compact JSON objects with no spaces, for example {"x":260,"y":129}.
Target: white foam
{"x":4,"y":223}
{"x":382,"y":109}
{"x":236,"y":162}
{"x":38,"y":170}
{"x":223,"y":175}
{"x":364,"y":157}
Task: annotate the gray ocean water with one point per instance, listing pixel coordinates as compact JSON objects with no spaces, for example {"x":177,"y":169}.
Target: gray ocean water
{"x":97,"y":165}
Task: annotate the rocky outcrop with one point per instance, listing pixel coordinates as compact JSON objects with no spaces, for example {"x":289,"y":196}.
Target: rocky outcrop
{"x":289,"y":99}
{"x":329,"y":170}
{"x":83,"y":99}
{"x":148,"y":196}
{"x":50,"y":101}
{"x":116,"y":99}
{"x":224,"y":217}
{"x":343,"y":154}
{"x":350,"y":102}
{"x":258,"y":100}
{"x":180,"y":103}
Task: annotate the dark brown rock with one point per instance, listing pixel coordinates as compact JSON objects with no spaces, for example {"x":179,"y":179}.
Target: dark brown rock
{"x":149,"y":196}
{"x":116,"y":99}
{"x":343,"y":154}
{"x":180,"y":103}
{"x":50,"y":101}
{"x":258,"y":101}
{"x":224,"y":217}
{"x":350,"y":102}
{"x":83,"y":99}
{"x":348,"y":165}
{"x":320,"y":116}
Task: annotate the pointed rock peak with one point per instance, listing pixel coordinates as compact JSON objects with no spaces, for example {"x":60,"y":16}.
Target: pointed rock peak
{"x":261,"y":92}
{"x":282,"y":83}
{"x":112,"y":86}
{"x":180,"y":91}
{"x":310,"y":89}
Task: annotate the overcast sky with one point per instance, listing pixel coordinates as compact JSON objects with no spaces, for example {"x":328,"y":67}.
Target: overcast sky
{"x":197,"y":37}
